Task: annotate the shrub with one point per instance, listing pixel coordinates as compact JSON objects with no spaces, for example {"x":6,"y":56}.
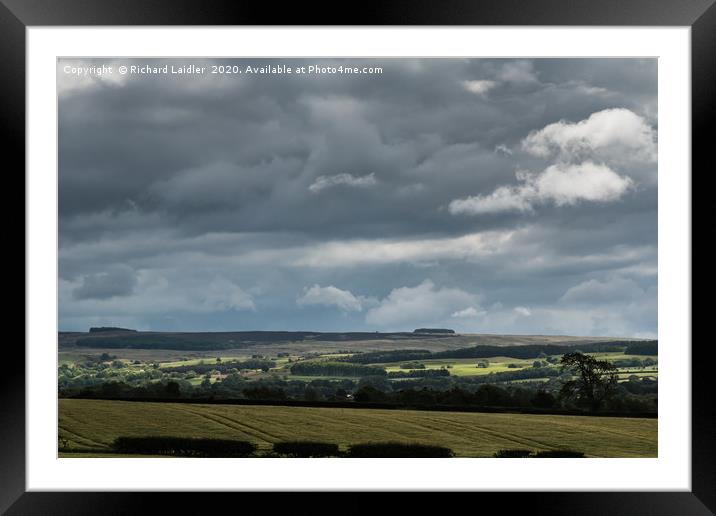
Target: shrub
{"x":306,"y":449}
{"x":420,"y":373}
{"x":183,"y":446}
{"x":412,"y":365}
{"x":396,"y":450}
{"x":513,"y":454}
{"x":543,"y":399}
{"x":368,"y":394}
{"x":264,"y":393}
{"x":521,"y":453}
{"x":560,"y":453}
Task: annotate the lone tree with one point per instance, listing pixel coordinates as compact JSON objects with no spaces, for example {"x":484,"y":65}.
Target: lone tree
{"x":595,"y":382}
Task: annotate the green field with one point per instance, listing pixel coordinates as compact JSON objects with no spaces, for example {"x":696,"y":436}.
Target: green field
{"x":468,"y":366}
{"x":94,"y":424}
{"x":208,"y":360}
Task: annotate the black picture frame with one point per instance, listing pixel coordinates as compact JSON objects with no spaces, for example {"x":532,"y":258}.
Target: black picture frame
{"x":17,"y":15}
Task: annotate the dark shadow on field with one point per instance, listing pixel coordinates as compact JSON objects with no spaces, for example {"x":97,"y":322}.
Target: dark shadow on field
{"x":227,"y":448}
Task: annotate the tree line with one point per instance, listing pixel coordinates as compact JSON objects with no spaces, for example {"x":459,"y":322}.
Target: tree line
{"x":335,"y":369}
{"x":525,"y":351}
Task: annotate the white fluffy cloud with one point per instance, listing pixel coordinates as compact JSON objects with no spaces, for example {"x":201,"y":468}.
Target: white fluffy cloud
{"x":504,"y":198}
{"x":569,"y":184}
{"x":514,"y":72}
{"x":561,"y":184}
{"x":504,"y":150}
{"x":479,"y":87}
{"x":330,"y":296}
{"x":468,"y":313}
{"x":611,"y":133}
{"x":523,"y":310}
{"x":585,"y":151}
{"x":323,"y":182}
{"x":424,"y":304}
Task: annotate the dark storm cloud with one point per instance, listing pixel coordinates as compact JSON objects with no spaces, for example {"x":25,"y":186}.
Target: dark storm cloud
{"x":117,"y":281}
{"x":258,"y":142}
{"x":263,"y":185}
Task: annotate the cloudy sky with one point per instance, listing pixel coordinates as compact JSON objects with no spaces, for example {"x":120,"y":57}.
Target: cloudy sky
{"x":484,"y":195}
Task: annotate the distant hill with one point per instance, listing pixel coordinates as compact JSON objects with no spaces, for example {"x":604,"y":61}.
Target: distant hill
{"x":306,"y":341}
{"x":113,"y":339}
{"x":107,"y":329}
{"x":649,"y":347}
{"x":434,"y":330}
{"x":521,"y":351}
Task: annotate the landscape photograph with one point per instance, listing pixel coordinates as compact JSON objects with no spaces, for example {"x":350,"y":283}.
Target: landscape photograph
{"x":357,"y":258}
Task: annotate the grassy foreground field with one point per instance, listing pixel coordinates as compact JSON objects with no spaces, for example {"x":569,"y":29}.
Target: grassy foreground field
{"x":94,"y":424}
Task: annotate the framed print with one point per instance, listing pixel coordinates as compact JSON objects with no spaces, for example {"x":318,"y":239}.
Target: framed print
{"x":421,"y":249}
